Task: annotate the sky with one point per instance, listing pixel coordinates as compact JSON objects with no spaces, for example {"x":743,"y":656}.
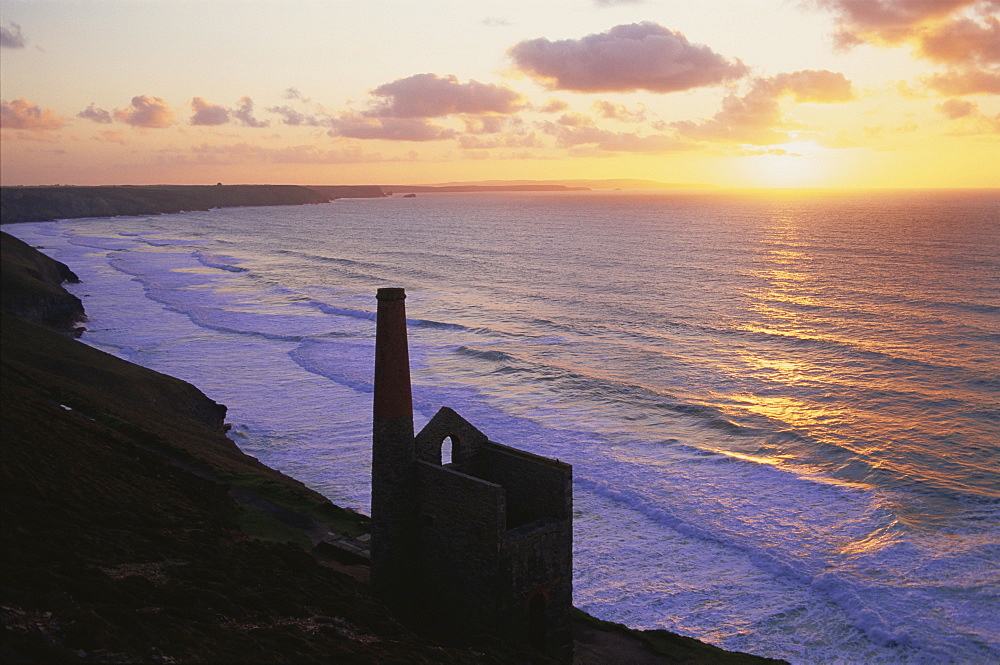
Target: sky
{"x":733,"y":93}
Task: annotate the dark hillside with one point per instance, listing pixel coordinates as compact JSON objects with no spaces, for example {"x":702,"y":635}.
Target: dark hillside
{"x":30,"y":286}
{"x":122,"y":541}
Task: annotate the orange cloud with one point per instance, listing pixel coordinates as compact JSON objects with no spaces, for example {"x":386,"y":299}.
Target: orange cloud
{"x":971,"y":120}
{"x":146,"y":111}
{"x":756,"y":117}
{"x":22,"y":114}
{"x":963,"y":40}
{"x":626,"y":58}
{"x":611,"y":111}
{"x":962,"y":34}
{"x":887,"y":21}
{"x":956,"y":108}
{"x":433,"y":96}
{"x":575,"y":120}
{"x":554,"y":106}
{"x":965,"y":82}
{"x":490,"y":124}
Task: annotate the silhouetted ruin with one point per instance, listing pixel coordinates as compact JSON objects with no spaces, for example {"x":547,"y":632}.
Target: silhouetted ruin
{"x":476,"y":548}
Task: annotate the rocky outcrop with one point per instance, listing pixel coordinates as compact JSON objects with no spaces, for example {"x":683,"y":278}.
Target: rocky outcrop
{"x":41,"y":204}
{"x":31,"y":286}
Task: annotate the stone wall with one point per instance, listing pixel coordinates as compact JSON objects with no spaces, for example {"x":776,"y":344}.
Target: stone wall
{"x":537,"y":487}
{"x":461,"y":531}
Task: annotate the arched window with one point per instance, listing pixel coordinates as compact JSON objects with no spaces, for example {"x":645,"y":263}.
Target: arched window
{"x":446,"y":449}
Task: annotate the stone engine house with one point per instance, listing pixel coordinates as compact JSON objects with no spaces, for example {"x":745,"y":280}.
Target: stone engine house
{"x":476,"y":548}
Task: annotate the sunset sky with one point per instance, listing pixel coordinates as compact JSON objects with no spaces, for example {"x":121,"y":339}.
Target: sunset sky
{"x":735,"y":93}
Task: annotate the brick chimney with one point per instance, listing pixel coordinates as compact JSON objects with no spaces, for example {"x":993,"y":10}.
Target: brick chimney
{"x":394,"y":502}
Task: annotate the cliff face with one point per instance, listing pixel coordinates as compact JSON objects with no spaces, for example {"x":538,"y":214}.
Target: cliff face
{"x":31,"y":286}
{"x":41,"y":204}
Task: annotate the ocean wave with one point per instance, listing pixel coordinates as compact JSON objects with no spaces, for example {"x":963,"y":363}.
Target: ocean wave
{"x":219,"y":261}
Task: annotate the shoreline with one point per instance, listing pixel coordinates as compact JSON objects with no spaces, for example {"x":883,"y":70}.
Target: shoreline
{"x":114,"y":435}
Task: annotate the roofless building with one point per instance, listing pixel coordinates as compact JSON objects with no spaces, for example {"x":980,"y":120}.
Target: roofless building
{"x":473,"y":549}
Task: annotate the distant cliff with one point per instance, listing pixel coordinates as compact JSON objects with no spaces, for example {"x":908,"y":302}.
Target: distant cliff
{"x":350,"y":191}
{"x":42,"y":204}
{"x":529,"y":187}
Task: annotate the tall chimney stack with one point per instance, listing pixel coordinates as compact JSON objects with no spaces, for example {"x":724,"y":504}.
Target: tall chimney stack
{"x":394,"y":536}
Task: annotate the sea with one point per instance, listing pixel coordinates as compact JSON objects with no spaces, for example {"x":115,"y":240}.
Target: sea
{"x":782,"y":408}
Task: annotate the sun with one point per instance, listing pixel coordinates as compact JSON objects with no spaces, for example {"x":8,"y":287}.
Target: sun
{"x":796,"y":164}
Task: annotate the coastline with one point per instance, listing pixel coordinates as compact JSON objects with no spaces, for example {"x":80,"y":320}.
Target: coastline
{"x":91,"y":440}
{"x":46,"y":203}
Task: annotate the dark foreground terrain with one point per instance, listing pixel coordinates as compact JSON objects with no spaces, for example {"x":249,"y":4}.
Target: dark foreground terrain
{"x":134,"y":531}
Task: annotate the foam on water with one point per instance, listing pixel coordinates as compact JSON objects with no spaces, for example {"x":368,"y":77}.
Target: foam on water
{"x":766,"y":455}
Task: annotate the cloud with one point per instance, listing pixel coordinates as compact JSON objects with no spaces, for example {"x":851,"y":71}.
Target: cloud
{"x":96,"y":115}
{"x":112,"y":136}
{"x":756,"y":117}
{"x":251,"y":153}
{"x":956,"y":108}
{"x":887,"y":22}
{"x":963,"y":41}
{"x":209,"y":114}
{"x":510,"y":141}
{"x":965,"y":82}
{"x":296,"y":118}
{"x":554,"y":106}
{"x":244,"y":114}
{"x":612,"y":111}
{"x":433,"y":96}
{"x":968,"y":119}
{"x":612,"y":3}
{"x":360,"y":126}
{"x":964,"y":35}
{"x":11,"y":37}
{"x":639,"y":56}
{"x":206,"y":113}
{"x":494,"y":22}
{"x":606,"y":140}
{"x":402,"y":110}
{"x":146,"y":111}
{"x":22,"y":114}
{"x":491,"y":124}
{"x":575,"y":120}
